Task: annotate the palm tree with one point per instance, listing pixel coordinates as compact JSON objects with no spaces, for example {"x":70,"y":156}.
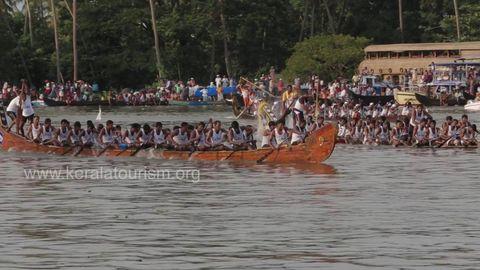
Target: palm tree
{"x":57,"y":45}
{"x":74,"y":40}
{"x":155,"y":36}
{"x":457,"y":19}
{"x":225,"y":38}
{"x":400,"y":18}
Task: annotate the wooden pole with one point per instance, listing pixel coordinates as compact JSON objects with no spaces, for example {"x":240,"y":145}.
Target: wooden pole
{"x":74,"y":40}
{"x":155,"y":36}
{"x":57,"y":45}
{"x":29,"y":16}
{"x":400,"y":19}
{"x":457,"y":19}
{"x":225,"y":39}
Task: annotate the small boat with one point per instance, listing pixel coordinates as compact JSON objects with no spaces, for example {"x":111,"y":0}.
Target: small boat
{"x":366,"y":100}
{"x":472,"y":106}
{"x":238,"y":107}
{"x":429,"y":101}
{"x":402,"y":97}
{"x":56,"y":103}
{"x":317,"y":148}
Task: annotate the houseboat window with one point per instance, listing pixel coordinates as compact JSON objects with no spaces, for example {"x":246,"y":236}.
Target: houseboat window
{"x":454,"y":53}
{"x":416,"y":54}
{"x":383,"y":55}
{"x":441,"y":53}
{"x":404,"y":55}
{"x":428,"y":54}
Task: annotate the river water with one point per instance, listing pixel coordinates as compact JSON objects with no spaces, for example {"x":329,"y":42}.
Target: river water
{"x":366,"y":207}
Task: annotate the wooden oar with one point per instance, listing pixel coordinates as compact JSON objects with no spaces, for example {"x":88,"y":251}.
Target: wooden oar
{"x":260,"y":160}
{"x":241,"y":113}
{"x":121,"y":152}
{"x":137,"y":150}
{"x":67,"y":151}
{"x":78,"y":152}
{"x":443,"y":143}
{"x":104,"y":149}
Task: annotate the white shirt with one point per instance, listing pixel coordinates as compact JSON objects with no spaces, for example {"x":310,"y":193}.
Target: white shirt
{"x":14,"y":105}
{"x":27,"y":109}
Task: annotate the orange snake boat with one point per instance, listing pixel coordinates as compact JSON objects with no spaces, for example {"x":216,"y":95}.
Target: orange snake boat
{"x":317,"y":148}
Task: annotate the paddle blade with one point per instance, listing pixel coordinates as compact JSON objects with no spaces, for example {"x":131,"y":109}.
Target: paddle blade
{"x":99,"y":115}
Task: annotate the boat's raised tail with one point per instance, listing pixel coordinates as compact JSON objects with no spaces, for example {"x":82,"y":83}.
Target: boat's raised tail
{"x":319,"y":146}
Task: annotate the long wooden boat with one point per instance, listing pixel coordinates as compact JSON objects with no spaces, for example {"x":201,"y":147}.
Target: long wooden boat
{"x":366,"y":100}
{"x":55,"y":103}
{"x":429,"y":101}
{"x":317,"y":148}
{"x":196,"y":103}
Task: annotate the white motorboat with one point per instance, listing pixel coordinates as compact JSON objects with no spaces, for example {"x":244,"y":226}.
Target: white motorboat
{"x":473,"y":106}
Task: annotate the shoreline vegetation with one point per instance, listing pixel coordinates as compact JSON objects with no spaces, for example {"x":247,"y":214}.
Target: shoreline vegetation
{"x":126,"y":43}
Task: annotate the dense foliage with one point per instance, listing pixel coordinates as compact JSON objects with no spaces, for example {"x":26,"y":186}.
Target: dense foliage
{"x":116,"y":44}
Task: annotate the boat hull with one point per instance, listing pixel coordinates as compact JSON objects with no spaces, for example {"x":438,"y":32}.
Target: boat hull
{"x":366,"y":100}
{"x":428,"y":101}
{"x":318,"y":147}
{"x":55,"y":103}
{"x":402,"y":97}
{"x":473,"y":106}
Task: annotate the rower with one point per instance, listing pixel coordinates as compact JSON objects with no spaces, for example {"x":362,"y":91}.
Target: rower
{"x":342,"y":129}
{"x":249,"y":139}
{"x":407,"y":109}
{"x":145,"y":137}
{"x":399,"y":134}
{"x":180,"y":139}
{"x":47,"y":132}
{"x":130,"y":136}
{"x":118,"y":136}
{"x":26,"y":104}
{"x":235,"y":137}
{"x":383,"y":133}
{"x":420,"y":133}
{"x":89,"y":135}
{"x":280,"y":135}
{"x":299,"y":133}
{"x":106,"y":135}
{"x":76,"y":134}
{"x":12,"y":110}
{"x":300,"y":108}
{"x":433,"y":133}
{"x":35,"y":130}
{"x":369,"y":134}
{"x":198,"y":137}
{"x":159,"y":136}
{"x":266,"y":141}
{"x":216,"y":136}
{"x":62,"y":134}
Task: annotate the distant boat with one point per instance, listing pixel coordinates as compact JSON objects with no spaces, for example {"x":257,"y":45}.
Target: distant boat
{"x":56,"y":103}
{"x":472,"y":106}
{"x":366,"y":100}
{"x":430,"y":101}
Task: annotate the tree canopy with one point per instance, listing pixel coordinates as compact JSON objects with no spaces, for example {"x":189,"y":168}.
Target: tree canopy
{"x":327,"y":56}
{"x":198,"y":37}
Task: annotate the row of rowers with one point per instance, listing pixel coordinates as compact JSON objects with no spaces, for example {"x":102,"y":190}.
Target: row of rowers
{"x":186,"y":137}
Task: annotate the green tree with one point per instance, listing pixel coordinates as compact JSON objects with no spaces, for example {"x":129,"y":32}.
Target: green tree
{"x":328,"y":56}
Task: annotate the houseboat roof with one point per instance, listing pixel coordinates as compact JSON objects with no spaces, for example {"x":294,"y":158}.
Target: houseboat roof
{"x":472,"y":45}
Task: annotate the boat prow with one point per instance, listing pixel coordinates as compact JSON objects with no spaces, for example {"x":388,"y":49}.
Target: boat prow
{"x":317,"y":148}
{"x":402,"y":97}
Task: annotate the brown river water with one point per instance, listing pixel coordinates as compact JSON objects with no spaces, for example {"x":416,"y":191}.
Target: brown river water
{"x":366,"y":207}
